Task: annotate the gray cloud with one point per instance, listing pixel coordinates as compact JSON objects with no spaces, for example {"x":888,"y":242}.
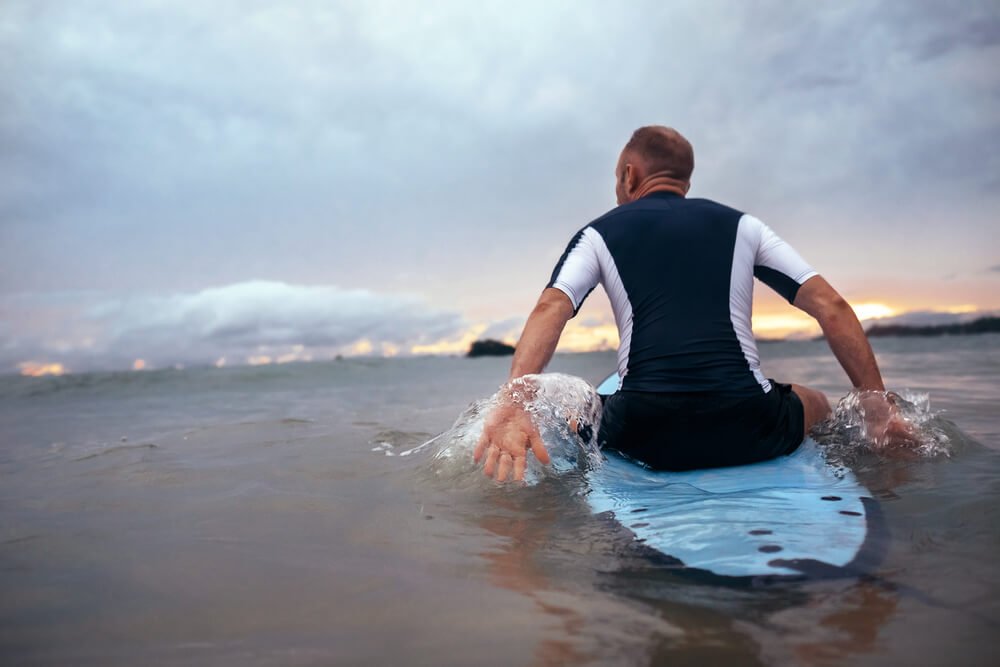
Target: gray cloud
{"x":507,"y":328}
{"x":978,"y":29}
{"x":813,"y":80}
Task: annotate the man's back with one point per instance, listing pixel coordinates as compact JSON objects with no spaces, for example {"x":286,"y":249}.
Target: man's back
{"x":679,"y":274}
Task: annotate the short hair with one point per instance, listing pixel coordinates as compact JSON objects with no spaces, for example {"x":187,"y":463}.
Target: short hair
{"x":663,"y":150}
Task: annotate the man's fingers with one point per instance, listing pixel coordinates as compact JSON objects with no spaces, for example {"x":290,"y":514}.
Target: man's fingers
{"x":520,"y":463}
{"x":491,"y":460}
{"x":506,"y":450}
{"x":506,"y":463}
{"x":902,"y":433}
{"x":538,"y":448}
{"x":484,"y":440}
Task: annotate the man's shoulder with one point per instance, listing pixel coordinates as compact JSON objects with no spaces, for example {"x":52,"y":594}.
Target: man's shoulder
{"x":680,"y":205}
{"x":712,"y":205}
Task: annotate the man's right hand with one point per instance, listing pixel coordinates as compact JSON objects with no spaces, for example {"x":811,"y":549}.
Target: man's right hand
{"x":507,"y":436}
{"x":884,"y":426}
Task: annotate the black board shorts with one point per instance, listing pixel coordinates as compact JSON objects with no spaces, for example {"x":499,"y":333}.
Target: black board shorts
{"x":687,"y":431}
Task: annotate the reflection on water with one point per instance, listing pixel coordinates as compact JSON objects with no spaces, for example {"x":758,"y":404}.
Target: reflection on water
{"x":607,"y":602}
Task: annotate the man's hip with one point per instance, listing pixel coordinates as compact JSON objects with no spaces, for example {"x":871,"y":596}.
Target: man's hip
{"x":687,"y":431}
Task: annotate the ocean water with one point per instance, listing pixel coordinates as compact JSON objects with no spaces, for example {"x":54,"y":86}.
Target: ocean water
{"x":268,"y":516}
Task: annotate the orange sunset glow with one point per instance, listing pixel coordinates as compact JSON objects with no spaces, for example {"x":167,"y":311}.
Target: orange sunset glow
{"x":34,"y":369}
{"x":789,"y":322}
{"x":458,"y":345}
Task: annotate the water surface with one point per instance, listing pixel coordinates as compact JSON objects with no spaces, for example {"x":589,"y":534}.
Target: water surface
{"x":264,"y":516}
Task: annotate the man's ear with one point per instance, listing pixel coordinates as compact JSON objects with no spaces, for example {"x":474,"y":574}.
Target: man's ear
{"x":631,"y":178}
{"x":687,"y":186}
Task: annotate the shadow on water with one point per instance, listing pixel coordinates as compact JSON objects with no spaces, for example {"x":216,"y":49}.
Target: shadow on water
{"x":604,"y":597}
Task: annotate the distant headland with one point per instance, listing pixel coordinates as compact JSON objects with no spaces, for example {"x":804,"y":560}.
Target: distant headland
{"x":490,"y":348}
{"x":979,"y":326}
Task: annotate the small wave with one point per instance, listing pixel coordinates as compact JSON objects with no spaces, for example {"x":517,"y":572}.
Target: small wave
{"x":117,"y":448}
{"x":97,"y":383}
{"x":388,"y":440}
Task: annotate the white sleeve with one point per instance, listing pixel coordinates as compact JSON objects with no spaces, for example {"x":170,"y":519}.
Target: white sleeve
{"x":776,"y":263}
{"x":578,"y":270}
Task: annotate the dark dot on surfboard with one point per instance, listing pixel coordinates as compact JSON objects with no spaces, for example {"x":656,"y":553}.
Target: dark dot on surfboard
{"x":639,"y":525}
{"x":639,"y":509}
{"x":850,"y":513}
{"x":769,"y":548}
{"x":830,"y":498}
{"x":428,"y":516}
{"x":760,"y":531}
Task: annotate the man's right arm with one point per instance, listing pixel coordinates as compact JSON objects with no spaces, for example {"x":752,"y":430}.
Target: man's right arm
{"x":541,"y":333}
{"x":508,"y":432}
{"x":843,"y":332}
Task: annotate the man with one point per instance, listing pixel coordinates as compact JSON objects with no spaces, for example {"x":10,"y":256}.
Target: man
{"x":679,"y":273}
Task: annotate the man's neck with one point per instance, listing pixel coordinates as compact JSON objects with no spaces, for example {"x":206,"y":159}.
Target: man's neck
{"x":661,"y":184}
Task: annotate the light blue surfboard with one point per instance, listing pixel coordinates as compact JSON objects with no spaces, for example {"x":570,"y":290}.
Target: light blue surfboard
{"x":793,"y":516}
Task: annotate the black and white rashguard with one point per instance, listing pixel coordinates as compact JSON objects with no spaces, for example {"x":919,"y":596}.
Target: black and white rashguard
{"x":679,"y":273}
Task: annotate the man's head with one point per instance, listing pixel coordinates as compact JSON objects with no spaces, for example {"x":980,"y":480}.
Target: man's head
{"x":655,"y":158}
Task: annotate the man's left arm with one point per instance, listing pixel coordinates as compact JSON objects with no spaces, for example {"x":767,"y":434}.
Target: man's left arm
{"x":779,"y":266}
{"x":783,"y":269}
{"x":842,"y":331}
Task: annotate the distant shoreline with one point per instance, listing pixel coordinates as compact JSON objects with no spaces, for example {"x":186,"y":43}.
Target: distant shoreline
{"x":978,"y":326}
{"x":982,"y":325}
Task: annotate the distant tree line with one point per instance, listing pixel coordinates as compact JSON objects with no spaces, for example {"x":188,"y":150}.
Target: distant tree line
{"x":495,"y":348}
{"x":982,"y":325}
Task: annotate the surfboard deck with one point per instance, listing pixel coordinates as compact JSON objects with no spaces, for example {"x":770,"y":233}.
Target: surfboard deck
{"x":794,"y":516}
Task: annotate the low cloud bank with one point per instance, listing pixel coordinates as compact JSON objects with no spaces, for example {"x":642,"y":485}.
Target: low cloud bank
{"x":250,"y":322}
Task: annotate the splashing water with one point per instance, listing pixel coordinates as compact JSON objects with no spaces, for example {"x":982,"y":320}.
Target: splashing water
{"x":565,"y":409}
{"x":567,"y":412}
{"x":855,"y":428}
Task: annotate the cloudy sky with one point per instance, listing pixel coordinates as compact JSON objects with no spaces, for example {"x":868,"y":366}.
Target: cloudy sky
{"x":190,"y":182}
